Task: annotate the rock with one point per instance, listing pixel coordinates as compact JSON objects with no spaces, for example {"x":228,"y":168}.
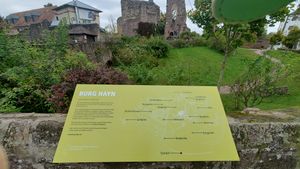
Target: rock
{"x":225,"y":90}
{"x":251,"y":111}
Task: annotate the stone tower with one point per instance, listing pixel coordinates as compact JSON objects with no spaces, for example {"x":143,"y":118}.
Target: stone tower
{"x":175,"y":18}
{"x":134,"y":12}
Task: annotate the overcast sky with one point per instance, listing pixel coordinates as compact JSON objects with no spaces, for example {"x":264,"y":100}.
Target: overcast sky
{"x":109,"y":8}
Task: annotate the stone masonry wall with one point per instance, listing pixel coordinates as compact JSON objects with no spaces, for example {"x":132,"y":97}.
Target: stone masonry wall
{"x":134,"y":12}
{"x":31,"y":141}
{"x":175,"y":18}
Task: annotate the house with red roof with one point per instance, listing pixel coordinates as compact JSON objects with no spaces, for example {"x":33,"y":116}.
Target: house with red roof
{"x":23,"y":20}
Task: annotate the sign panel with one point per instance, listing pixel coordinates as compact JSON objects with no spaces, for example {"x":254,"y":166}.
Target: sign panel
{"x":112,"y":123}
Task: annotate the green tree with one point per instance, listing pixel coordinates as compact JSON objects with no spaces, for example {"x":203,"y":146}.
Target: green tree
{"x":292,"y":39}
{"x":276,"y":38}
{"x":229,"y":36}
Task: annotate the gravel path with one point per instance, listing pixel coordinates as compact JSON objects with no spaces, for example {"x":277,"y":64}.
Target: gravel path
{"x":262,"y":52}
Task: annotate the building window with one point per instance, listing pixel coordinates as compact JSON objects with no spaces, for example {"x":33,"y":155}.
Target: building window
{"x":13,"y":20}
{"x":57,"y":18}
{"x":73,"y":20}
{"x":34,"y":18}
{"x":174,"y":15}
{"x":27,"y":18}
{"x":85,"y":21}
{"x":92,"y":16}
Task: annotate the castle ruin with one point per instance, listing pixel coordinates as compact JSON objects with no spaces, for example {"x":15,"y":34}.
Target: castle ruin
{"x":175,"y":18}
{"x":135,"y":12}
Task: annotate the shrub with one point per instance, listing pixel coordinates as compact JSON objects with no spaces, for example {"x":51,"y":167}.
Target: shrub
{"x":188,"y":39}
{"x":276,"y":38}
{"x":137,"y":56}
{"x":217,"y":43}
{"x":76,"y":60}
{"x":132,"y":51}
{"x":7,"y":101}
{"x":178,"y":77}
{"x":198,"y":41}
{"x":187,"y":35}
{"x":29,"y":99}
{"x":132,"y":55}
{"x":258,"y":82}
{"x":125,"y":56}
{"x":157,"y":47}
{"x":178,"y":43}
{"x":8,"y":108}
{"x":63,"y":92}
{"x":139,"y":73}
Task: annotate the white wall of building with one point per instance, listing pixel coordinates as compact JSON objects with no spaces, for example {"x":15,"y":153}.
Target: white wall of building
{"x":290,"y":22}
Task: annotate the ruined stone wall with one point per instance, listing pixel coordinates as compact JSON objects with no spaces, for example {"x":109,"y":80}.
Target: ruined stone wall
{"x":175,"y":18}
{"x":31,"y":141}
{"x":135,"y":11}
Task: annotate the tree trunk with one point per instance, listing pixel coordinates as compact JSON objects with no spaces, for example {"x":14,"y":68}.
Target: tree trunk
{"x":221,"y":77}
{"x":226,"y":53}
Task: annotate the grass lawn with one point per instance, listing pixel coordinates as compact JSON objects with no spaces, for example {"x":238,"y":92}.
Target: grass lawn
{"x":199,"y":66}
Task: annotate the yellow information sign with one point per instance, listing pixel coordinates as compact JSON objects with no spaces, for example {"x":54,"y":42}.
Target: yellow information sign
{"x":113,"y":123}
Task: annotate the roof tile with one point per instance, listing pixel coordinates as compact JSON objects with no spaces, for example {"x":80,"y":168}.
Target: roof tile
{"x":78,"y":4}
{"x":46,"y":13}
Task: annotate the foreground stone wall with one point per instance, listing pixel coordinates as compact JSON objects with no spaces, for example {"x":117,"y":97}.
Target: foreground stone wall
{"x":31,"y":141}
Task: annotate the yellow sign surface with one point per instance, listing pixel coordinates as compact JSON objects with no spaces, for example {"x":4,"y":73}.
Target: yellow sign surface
{"x":113,"y":123}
